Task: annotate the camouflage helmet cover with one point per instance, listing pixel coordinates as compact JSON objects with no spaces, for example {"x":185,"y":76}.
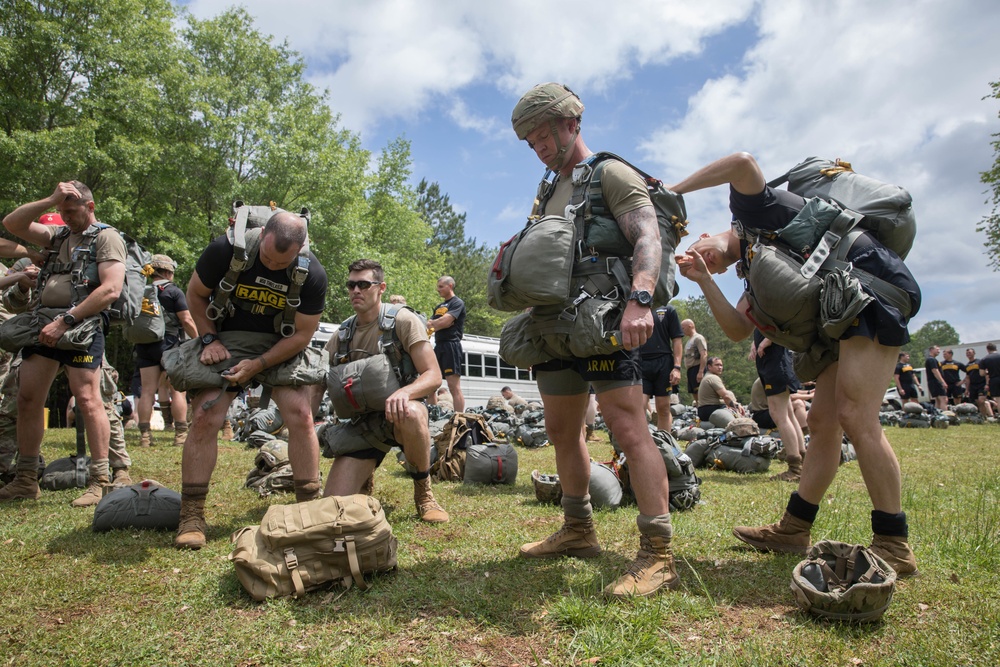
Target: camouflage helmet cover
{"x":844,"y":582}
{"x":543,"y":102}
{"x":272,"y":454}
{"x":548,"y":489}
{"x":163,"y":263}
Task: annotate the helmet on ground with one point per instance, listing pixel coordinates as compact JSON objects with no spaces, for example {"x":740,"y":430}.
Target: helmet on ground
{"x":742,"y":427}
{"x":605,"y":487}
{"x":545,"y":101}
{"x":271,"y":454}
{"x":685,"y":499}
{"x":844,"y":582}
{"x":547,"y":487}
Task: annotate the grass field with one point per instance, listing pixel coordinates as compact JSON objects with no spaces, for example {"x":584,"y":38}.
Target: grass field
{"x":461,"y":596}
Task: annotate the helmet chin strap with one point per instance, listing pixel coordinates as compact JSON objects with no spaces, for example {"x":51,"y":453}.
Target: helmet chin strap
{"x":558,"y":161}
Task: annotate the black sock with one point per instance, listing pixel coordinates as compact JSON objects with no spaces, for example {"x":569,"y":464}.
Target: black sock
{"x":802,"y":509}
{"x":890,"y":525}
{"x":417,"y":476}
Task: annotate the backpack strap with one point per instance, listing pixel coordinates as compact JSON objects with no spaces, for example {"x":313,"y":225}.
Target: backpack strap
{"x":392,"y":347}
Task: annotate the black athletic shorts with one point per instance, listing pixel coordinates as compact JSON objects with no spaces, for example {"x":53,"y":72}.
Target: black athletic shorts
{"x":450,"y":358}
{"x":656,"y":375}
{"x":705,"y":411}
{"x":692,"y":375}
{"x":150,"y":354}
{"x":909,"y":391}
{"x":994,"y":387}
{"x":776,"y":372}
{"x":937,"y":389}
{"x":91,"y":358}
{"x":976,"y":390}
{"x":763,"y":418}
{"x":956,"y":390}
{"x":569,"y":377}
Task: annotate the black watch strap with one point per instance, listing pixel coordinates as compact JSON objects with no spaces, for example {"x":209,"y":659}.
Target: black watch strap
{"x":208,"y":339}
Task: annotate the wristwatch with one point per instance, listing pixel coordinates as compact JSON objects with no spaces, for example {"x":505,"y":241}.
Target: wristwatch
{"x":208,"y":339}
{"x":69,"y":319}
{"x":642,"y":297}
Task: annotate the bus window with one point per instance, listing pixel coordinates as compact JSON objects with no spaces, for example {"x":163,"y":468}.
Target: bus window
{"x":474,"y":365}
{"x":507,"y":372}
{"x":492,"y":366}
{"x":523,"y":374}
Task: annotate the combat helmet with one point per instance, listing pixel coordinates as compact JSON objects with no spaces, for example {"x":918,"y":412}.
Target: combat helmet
{"x":548,"y":489}
{"x":272,"y":454}
{"x":844,"y":582}
{"x":546,"y":102}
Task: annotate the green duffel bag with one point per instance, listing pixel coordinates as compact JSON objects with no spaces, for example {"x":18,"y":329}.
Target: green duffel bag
{"x":303,"y":546}
{"x":22,"y":330}
{"x":370,"y":431}
{"x":490,"y":463}
{"x":187,"y":373}
{"x":535,"y":267}
{"x":736,"y":459}
{"x":516,"y":348}
{"x":71,"y":472}
{"x":361,"y":386}
{"x":147,"y":505}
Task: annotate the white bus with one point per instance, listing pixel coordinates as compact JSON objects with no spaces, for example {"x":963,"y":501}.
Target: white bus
{"x":485,"y":372}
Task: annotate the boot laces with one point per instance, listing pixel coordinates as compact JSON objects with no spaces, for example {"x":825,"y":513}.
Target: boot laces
{"x":644,"y":559}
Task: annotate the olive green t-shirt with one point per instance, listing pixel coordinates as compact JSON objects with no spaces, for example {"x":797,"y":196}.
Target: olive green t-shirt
{"x":622,"y":188}
{"x":109,"y":247}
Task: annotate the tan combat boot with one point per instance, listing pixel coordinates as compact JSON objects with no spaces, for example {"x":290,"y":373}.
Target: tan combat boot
{"x":180,"y":434}
{"x":897,"y":553}
{"x":592,"y":435}
{"x":790,"y":535}
{"x":793,"y":474}
{"x":99,"y":485}
{"x":652,"y":569}
{"x":192,"y":527}
{"x":145,"y":438}
{"x":227,"y":430}
{"x":23,"y":487}
{"x":121,"y":478}
{"x":428,"y":508}
{"x":577,"y":538}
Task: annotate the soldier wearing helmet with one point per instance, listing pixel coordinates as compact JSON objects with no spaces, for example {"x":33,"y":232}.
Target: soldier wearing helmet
{"x":548,"y":118}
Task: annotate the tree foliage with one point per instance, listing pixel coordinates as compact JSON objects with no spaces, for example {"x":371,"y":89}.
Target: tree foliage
{"x":464,"y":259}
{"x":990,"y":224}
{"x":169,"y":119}
{"x":935,"y":332}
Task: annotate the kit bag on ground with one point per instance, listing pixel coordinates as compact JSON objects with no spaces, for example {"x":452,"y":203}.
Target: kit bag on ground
{"x":462,"y":430}
{"x":72,"y":472}
{"x":303,"y":546}
{"x":490,"y":463}
{"x":685,"y":489}
{"x":147,"y":505}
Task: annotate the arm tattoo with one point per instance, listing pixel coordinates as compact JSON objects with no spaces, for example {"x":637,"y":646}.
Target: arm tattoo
{"x":643,"y":232}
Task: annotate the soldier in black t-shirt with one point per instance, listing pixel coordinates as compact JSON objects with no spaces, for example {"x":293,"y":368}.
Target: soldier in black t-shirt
{"x":990,"y":367}
{"x":950,"y":369}
{"x":661,"y":363}
{"x":905,"y":384}
{"x":975,"y":384}
{"x":258,"y":300}
{"x":447,"y":323}
{"x":935,"y":381}
{"x":149,"y":355}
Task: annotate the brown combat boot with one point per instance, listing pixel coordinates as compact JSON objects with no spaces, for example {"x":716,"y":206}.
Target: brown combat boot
{"x":145,"y":438}
{"x":121,"y":478}
{"x":99,"y":485}
{"x":180,"y":434}
{"x":790,"y":535}
{"x":428,"y":508}
{"x":576,"y":538}
{"x":307,"y":489}
{"x":192,"y":527}
{"x":592,"y":435}
{"x":793,"y":474}
{"x":227,"y":430}
{"x":652,"y":569}
{"x":23,"y":487}
{"x":897,"y":553}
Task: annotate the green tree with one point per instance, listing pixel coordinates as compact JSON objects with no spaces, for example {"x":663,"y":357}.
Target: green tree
{"x":465,"y":260}
{"x":935,"y":332}
{"x":990,"y":224}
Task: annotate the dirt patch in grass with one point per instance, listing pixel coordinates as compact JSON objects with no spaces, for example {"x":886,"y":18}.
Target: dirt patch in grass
{"x":471,"y":648}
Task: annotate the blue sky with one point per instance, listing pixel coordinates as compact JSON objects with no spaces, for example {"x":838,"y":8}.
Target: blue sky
{"x":895,"y":87}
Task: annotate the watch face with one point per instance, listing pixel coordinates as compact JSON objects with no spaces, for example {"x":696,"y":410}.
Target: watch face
{"x":208,"y":338}
{"x":642,"y":297}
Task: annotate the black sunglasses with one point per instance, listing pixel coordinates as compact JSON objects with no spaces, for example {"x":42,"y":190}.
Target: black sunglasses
{"x":360,"y":284}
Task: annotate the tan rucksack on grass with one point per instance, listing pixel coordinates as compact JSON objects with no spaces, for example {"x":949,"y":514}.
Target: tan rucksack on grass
{"x":303,"y":546}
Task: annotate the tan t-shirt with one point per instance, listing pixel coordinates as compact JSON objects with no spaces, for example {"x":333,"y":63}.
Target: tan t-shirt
{"x":110,"y":247}
{"x":758,"y":397}
{"x":710,"y":390}
{"x":694,"y":350}
{"x":409,"y":329}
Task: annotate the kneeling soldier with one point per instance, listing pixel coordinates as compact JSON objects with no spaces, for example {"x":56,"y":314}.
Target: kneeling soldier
{"x":402,"y":370}
{"x":252,"y":335}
